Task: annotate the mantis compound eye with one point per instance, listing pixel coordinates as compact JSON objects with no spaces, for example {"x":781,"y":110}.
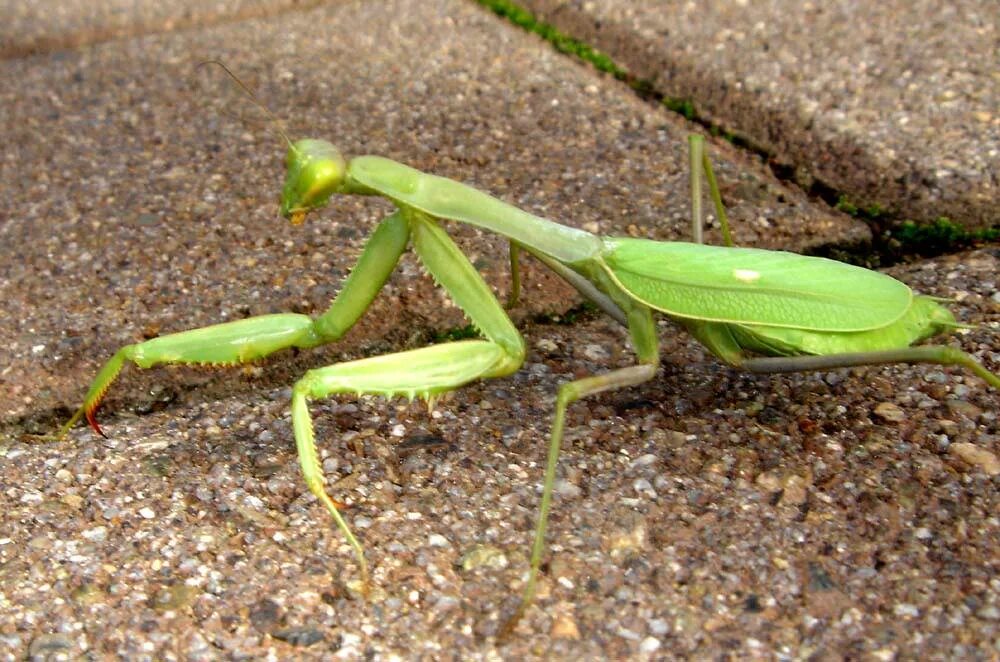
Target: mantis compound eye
{"x":315,"y":172}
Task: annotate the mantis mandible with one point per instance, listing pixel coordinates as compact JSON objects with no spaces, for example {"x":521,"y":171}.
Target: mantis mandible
{"x":757,"y":310}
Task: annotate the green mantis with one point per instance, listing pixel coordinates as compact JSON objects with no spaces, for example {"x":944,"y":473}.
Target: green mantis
{"x":762,"y":311}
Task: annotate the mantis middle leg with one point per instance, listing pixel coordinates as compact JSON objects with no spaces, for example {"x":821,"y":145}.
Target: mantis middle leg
{"x":644,"y":339}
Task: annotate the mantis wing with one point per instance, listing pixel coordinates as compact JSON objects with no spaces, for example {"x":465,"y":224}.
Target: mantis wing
{"x":924,"y":319}
{"x":753,"y":286}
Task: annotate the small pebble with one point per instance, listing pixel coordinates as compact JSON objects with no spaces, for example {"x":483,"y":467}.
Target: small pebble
{"x":49,"y":646}
{"x":890,"y":412}
{"x":796,"y":491}
{"x":300,"y":636}
{"x":643,"y":461}
{"x":564,"y":488}
{"x":658,"y":626}
{"x":990,"y":613}
{"x":649,"y":645}
{"x":96,"y":534}
{"x":484,"y":556}
{"x":769,"y":481}
{"x":644,"y":487}
{"x":546,"y":346}
{"x":564,"y":627}
{"x":976,"y":456}
{"x":446,"y":603}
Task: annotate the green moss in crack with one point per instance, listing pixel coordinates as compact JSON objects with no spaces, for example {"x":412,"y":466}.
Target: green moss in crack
{"x":872,"y":212}
{"x":846,"y":206}
{"x":563,"y":43}
{"x":571,"y":46}
{"x":684,"y":107}
{"x":940,"y":236}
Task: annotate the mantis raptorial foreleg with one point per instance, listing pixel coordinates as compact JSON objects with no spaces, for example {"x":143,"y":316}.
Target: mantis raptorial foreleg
{"x":245,"y":340}
{"x":426,"y":372}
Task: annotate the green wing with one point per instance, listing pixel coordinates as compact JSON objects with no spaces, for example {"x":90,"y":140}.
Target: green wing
{"x":924,"y":319}
{"x":753,"y":286}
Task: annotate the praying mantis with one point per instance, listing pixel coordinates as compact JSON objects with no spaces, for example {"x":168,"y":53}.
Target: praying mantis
{"x":757,"y":310}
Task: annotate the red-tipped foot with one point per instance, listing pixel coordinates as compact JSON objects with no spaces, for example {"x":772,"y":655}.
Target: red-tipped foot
{"x":92,"y":419}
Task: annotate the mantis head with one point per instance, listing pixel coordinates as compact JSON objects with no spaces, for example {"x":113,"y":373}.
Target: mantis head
{"x":316,"y":171}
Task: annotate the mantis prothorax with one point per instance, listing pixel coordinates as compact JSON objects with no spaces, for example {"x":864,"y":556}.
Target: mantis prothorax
{"x":759,"y":310}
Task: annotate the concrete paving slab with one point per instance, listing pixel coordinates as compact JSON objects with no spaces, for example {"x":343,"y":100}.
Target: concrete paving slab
{"x":708,"y":513}
{"x":891,"y":103}
{"x":43,"y":26}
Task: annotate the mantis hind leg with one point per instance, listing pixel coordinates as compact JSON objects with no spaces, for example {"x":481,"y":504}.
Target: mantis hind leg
{"x":245,"y":340}
{"x":938,"y":354}
{"x":701,"y":164}
{"x":515,"y":276}
{"x":719,"y":340}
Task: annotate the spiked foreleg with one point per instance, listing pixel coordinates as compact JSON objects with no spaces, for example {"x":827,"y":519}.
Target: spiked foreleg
{"x":256,"y":337}
{"x":426,"y":372}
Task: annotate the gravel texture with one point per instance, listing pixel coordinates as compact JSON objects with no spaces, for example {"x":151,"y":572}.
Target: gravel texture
{"x":891,"y":103}
{"x":41,"y":26}
{"x":708,"y":513}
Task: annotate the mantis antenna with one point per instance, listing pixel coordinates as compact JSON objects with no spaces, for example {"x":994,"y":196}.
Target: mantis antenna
{"x":276,"y":122}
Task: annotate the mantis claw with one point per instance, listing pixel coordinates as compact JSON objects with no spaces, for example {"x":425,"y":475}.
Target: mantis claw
{"x":92,"y":419}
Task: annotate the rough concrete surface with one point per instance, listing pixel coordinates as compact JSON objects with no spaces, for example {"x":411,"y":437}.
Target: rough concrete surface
{"x":890,"y":103}
{"x":45,"y":25}
{"x":705,"y":514}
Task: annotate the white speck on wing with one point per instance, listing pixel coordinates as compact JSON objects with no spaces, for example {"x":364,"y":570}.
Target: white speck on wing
{"x":746,"y":275}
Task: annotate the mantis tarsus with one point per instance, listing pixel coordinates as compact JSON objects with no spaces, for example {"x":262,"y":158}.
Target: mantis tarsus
{"x":762,"y":311}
